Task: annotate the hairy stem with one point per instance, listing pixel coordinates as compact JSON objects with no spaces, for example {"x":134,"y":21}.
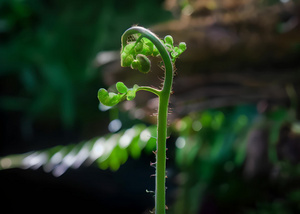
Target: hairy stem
{"x":160,"y":187}
{"x":164,"y":94}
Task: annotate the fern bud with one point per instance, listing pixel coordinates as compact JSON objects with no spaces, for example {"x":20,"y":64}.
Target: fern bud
{"x":144,"y":63}
{"x":129,"y":48}
{"x":169,"y":40}
{"x":182,"y":46}
{"x":135,"y":64}
{"x":108,"y":99}
{"x":139,"y":47}
{"x":148,"y":48}
{"x":126,"y":59}
{"x":132,"y":92}
{"x":121,"y":87}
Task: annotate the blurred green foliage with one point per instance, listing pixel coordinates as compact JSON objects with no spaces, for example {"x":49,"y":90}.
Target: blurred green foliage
{"x":48,"y":49}
{"x":213,"y":149}
{"x":110,"y":151}
{"x":210,"y":143}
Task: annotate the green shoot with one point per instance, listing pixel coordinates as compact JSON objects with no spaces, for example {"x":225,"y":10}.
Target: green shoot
{"x":135,"y":54}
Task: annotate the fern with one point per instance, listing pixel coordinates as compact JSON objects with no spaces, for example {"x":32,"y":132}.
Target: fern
{"x":109,"y":151}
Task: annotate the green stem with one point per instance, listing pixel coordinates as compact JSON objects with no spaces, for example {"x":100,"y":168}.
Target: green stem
{"x":150,"y":89}
{"x":164,"y":95}
{"x":160,"y":187}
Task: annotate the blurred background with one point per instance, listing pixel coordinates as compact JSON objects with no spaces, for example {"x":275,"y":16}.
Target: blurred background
{"x":234,"y":126}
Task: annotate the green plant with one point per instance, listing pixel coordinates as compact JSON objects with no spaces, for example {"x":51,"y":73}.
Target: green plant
{"x":108,"y":151}
{"x":134,"y":54}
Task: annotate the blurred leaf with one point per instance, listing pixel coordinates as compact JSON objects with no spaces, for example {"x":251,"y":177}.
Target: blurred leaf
{"x":110,"y":151}
{"x":209,"y":141}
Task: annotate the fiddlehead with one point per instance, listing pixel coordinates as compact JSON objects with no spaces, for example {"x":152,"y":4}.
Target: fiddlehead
{"x":134,"y":54}
{"x":148,"y":44}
